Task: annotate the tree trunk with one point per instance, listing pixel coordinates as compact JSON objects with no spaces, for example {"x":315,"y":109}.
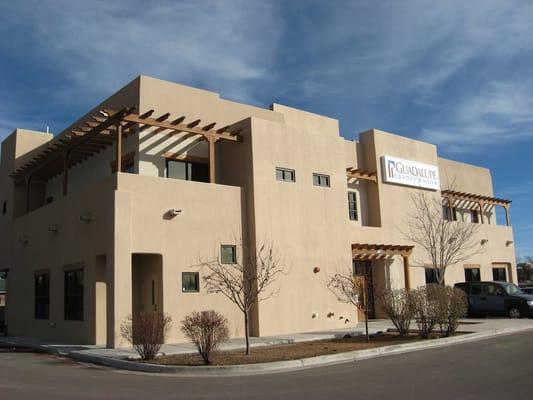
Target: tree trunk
{"x":247,"y":333}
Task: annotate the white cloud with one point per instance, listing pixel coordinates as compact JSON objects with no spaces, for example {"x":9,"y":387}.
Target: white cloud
{"x":100,"y":45}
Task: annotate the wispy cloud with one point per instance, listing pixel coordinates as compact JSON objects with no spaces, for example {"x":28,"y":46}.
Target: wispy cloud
{"x":95,"y":47}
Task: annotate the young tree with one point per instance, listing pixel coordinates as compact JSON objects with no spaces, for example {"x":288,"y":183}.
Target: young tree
{"x":246,"y":281}
{"x":443,"y":242}
{"x":351,"y":289}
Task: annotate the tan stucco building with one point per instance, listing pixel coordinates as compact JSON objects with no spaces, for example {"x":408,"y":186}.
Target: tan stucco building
{"x":85,"y":246}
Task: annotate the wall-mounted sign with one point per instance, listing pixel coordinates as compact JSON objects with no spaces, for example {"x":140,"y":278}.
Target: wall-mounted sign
{"x":410,"y":173}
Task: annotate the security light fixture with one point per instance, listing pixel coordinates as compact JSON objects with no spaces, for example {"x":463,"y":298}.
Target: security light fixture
{"x":484,"y":241}
{"x":508,"y":243}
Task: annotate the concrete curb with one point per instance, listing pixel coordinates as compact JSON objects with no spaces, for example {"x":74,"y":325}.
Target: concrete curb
{"x":282,"y":366}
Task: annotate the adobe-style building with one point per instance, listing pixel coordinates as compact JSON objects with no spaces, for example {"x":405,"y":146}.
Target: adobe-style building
{"x":113,"y":215}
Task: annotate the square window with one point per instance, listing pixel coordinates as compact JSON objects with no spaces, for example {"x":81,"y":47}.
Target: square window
{"x":499,"y":274}
{"x":190,"y":281}
{"x":228,"y":254}
{"x":472,"y":275}
{"x":431,"y":275}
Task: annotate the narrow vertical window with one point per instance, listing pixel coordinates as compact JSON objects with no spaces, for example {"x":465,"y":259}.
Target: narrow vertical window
{"x":474,"y":216}
{"x":74,"y":295}
{"x":42,"y":296}
{"x":4,"y":207}
{"x":352,"y":206}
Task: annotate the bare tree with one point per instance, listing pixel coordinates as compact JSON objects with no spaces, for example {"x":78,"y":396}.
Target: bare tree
{"x":247,"y":281}
{"x":351,"y":289}
{"x":444,"y":243}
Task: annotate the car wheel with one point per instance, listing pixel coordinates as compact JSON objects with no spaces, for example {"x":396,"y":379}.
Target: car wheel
{"x":514,"y":312}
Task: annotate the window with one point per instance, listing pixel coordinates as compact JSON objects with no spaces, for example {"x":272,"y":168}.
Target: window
{"x":284,"y":174}
{"x":472,"y":275}
{"x":188,"y":171}
{"x":74,"y":295}
{"x":190,"y":281}
{"x":321,"y":180}
{"x":352,"y":205}
{"x":449,"y":213}
{"x":228,"y":254}
{"x":42,"y":296}
{"x":431,"y":275}
{"x":474,"y":216}
{"x":498,"y":274}
{"x":4,"y":207}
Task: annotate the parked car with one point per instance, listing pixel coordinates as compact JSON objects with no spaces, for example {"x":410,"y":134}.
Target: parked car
{"x":497,"y":298}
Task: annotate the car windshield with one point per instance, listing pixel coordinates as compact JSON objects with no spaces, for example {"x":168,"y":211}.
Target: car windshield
{"x":511,"y":288}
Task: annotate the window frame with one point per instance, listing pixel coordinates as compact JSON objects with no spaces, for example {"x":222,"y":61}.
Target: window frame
{"x":322,"y":180}
{"x":354,"y":208}
{"x":468,"y":270}
{"x":234,"y":255}
{"x":41,"y":309}
{"x":189,"y":173}
{"x":284,"y":173}
{"x":433,"y":278}
{"x":74,"y":303}
{"x":494,"y":269}
{"x":196,"y":282}
{"x":474,"y":216}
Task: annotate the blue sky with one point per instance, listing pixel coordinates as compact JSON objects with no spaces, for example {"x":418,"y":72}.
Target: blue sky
{"x":455,"y":73}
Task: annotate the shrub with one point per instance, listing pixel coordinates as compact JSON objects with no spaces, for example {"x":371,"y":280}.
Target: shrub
{"x":452,"y":305}
{"x":398,"y":305}
{"x":426,"y":309}
{"x":146,"y":331}
{"x":207,"y":330}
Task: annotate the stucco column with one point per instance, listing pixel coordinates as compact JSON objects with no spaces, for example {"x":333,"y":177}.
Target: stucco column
{"x":119,"y":304}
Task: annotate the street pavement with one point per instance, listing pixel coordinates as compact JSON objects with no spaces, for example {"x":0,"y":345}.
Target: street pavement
{"x":498,"y":368}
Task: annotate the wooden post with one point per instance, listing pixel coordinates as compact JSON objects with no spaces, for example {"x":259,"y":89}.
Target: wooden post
{"x":406,"y":275}
{"x":481,"y":211}
{"x":119,"y":148}
{"x":212,"y":160}
{"x":507,"y":216}
{"x":65,"y":173}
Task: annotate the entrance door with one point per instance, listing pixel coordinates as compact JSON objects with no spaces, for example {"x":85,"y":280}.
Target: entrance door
{"x":364,"y":269}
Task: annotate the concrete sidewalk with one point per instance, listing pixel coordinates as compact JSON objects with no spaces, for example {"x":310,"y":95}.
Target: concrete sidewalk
{"x":121,"y":358}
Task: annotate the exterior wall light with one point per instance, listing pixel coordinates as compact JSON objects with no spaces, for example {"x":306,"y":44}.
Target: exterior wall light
{"x":53,"y":228}
{"x":315,"y":315}
{"x":316,"y":270}
{"x":484,"y":241}
{"x":508,"y":243}
{"x":86,"y":217}
{"x":23,"y":239}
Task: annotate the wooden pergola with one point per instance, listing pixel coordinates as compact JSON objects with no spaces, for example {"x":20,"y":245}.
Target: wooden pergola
{"x":479,"y":200}
{"x":108,"y":127}
{"x":370,"y":252}
{"x":358,"y":173}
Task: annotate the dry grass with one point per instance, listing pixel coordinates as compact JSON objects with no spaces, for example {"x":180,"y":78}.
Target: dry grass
{"x":288,"y":351}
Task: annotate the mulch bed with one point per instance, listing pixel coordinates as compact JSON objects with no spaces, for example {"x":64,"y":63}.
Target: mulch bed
{"x":292,"y":351}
